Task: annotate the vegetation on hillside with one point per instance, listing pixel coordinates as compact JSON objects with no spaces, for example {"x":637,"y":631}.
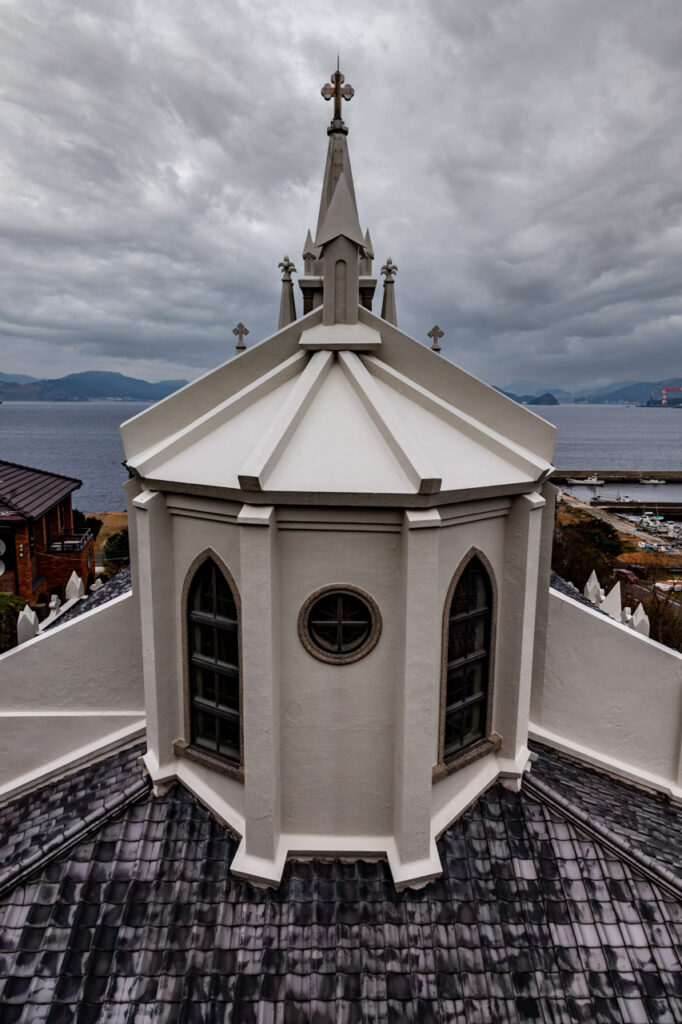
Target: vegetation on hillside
{"x":116,"y":553}
{"x":10,"y":606}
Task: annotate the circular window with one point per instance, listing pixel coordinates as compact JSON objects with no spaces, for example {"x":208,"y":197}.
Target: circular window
{"x":339,"y":624}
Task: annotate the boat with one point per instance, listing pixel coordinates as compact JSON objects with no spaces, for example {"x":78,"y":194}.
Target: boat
{"x":653,"y":480}
{"x":590,"y":481}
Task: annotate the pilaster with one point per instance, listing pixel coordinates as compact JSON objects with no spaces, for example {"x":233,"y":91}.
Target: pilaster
{"x":418,"y":698}
{"x":153,"y":578}
{"x":516,"y":638}
{"x":260,"y":689}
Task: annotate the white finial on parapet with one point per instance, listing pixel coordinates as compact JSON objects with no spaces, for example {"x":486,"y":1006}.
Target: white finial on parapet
{"x":27,"y":625}
{"x":592,"y":589}
{"x":74,"y":588}
{"x":612,"y":602}
{"x":640,"y":620}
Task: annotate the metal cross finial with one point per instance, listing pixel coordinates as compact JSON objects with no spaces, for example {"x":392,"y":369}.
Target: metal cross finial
{"x":240,"y":330}
{"x":389,"y":269}
{"x":435,"y":333}
{"x":336,"y":90}
{"x":287,"y":268}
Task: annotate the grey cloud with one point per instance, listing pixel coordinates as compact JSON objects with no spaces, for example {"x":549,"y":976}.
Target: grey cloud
{"x":519,"y":161}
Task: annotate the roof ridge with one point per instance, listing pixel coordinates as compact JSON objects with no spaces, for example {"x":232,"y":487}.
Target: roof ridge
{"x":47,"y":472}
{"x":657,"y":873}
{"x":75,"y":833}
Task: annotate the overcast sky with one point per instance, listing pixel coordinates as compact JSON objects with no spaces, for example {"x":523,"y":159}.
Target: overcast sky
{"x":520,"y":161}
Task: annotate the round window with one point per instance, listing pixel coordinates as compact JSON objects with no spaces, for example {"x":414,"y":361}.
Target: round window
{"x":339,"y":624}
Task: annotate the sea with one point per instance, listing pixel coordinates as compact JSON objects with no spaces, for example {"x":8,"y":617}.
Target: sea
{"x":82,"y":439}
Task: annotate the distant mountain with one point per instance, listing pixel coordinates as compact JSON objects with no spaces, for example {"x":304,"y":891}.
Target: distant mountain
{"x":545,"y":399}
{"x":635,"y":392}
{"x":82,"y":387}
{"x":16,"y":378}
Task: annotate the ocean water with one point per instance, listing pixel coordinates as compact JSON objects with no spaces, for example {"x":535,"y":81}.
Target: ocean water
{"x":82,"y":439}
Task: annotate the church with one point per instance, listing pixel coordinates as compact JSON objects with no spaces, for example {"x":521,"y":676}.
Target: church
{"x":345,"y":754}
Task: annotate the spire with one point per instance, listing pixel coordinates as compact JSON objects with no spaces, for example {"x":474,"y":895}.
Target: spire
{"x":287,"y":306}
{"x":338,"y":160}
{"x":310,"y":254}
{"x":366,"y":262}
{"x":341,"y":217}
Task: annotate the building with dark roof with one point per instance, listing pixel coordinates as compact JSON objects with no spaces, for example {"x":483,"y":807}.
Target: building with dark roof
{"x":342,"y":754}
{"x":39,"y":546}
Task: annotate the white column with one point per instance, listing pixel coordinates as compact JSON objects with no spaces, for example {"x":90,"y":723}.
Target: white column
{"x":418,"y":700}
{"x":260,"y":689}
{"x":549,"y":492}
{"x":516,"y":633}
{"x":155,"y":584}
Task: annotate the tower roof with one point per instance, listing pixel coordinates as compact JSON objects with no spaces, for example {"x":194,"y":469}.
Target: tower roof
{"x":341,"y":216}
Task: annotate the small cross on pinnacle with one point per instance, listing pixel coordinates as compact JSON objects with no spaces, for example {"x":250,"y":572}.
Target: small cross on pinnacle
{"x":338,"y":91}
{"x":389,"y":269}
{"x":240,"y":330}
{"x":287,"y":268}
{"x":435,"y":333}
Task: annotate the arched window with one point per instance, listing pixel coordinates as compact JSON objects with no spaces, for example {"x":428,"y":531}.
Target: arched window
{"x":213,"y":645}
{"x":467,"y":667}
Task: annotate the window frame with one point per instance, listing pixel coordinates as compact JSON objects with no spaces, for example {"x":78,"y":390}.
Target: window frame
{"x":186,"y":746}
{"x":311,"y":646}
{"x":488,"y":741}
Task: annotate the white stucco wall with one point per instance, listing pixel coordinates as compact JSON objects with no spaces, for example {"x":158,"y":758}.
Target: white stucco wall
{"x":610,"y":696}
{"x":69,"y":693}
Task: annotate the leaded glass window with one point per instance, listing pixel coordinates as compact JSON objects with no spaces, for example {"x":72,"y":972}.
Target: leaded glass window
{"x":213,"y":643}
{"x":468,"y":659}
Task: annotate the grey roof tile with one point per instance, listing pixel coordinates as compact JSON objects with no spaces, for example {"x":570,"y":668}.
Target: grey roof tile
{"x":118,"y":585}
{"x":142,"y":921}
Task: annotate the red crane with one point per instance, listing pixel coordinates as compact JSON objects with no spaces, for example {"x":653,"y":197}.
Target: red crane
{"x":665,"y":394}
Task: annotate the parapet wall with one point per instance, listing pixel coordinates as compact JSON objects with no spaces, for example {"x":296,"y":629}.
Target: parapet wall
{"x":610,"y":697}
{"x":70,"y":693}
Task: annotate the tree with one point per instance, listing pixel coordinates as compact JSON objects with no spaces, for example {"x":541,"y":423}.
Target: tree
{"x":116,"y":553}
{"x":10,"y":606}
{"x":83,"y":522}
{"x":584,"y":544}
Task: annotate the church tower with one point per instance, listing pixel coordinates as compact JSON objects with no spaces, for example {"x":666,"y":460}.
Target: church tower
{"x":341,"y":551}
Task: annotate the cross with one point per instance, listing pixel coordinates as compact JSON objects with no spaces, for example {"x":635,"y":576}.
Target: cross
{"x":241,"y":331}
{"x":389,"y":269}
{"x":335,"y":90}
{"x":435,"y":333}
{"x":287,"y":268}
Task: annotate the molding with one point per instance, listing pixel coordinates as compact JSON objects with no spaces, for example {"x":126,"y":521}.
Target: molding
{"x":268,"y":449}
{"x":146,"y":461}
{"x":256,"y":515}
{"x":68,"y":764}
{"x":611,"y":765}
{"x":333,"y":337}
{"x":412,"y":459}
{"x":406,"y":874}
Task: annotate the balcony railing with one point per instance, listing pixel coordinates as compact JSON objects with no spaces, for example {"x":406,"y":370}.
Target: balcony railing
{"x":69,"y":543}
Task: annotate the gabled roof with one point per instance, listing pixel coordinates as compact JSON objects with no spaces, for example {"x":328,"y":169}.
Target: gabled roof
{"x":27,"y":493}
{"x":361,"y":414}
{"x":531,"y":921}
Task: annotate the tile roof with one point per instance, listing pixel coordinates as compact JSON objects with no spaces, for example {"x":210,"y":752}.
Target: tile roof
{"x":142,"y":922}
{"x":118,"y":585}
{"x":557,"y":582}
{"x":28,"y":493}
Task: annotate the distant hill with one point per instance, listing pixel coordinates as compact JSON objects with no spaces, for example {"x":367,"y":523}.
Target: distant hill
{"x":635,"y":392}
{"x":546,"y":399}
{"x":82,"y":387}
{"x":16,"y":378}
